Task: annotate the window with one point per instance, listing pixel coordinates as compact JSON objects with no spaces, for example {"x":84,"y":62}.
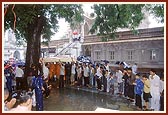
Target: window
{"x":88,"y":52}
{"x":152,"y":54}
{"x":111,"y":55}
{"x":130,"y":55}
{"x":97,"y":55}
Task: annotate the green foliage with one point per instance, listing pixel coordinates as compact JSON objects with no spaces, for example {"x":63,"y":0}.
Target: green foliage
{"x":110,"y":17}
{"x":157,"y":10}
{"x":77,"y":19}
{"x":24,"y":15}
{"x":27,"y":15}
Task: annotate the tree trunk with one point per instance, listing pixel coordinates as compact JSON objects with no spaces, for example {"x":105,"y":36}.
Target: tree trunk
{"x":33,"y":45}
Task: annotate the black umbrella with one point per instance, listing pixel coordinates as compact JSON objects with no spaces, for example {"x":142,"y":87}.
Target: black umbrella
{"x":117,"y":62}
{"x":105,"y":61}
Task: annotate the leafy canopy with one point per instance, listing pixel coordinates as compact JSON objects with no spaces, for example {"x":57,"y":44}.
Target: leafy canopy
{"x":110,"y":17}
{"x":157,"y":10}
{"x":26,"y":14}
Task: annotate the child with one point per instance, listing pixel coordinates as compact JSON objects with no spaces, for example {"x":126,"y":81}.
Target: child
{"x":111,"y":83}
{"x":138,"y":91}
{"x":47,"y":88}
{"x":146,"y":92}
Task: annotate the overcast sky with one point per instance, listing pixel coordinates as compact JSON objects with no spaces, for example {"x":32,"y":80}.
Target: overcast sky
{"x":63,"y":26}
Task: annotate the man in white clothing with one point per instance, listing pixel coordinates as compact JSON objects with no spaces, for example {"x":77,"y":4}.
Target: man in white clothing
{"x":134,"y":69}
{"x":119,"y":76}
{"x":86,"y":75}
{"x":62,"y":73}
{"x":19,"y":77}
{"x":73,"y":67}
{"x":107,"y":66}
{"x":45,"y":70}
{"x":99,"y":76}
{"x":154,"y":90}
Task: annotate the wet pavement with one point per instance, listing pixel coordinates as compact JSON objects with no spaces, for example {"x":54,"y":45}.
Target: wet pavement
{"x":84,"y":99}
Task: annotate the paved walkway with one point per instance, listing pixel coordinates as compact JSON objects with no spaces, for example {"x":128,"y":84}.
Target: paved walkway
{"x":118,"y":99}
{"x":73,"y":98}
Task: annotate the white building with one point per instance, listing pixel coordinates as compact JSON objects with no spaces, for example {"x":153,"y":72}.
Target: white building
{"x":11,"y":50}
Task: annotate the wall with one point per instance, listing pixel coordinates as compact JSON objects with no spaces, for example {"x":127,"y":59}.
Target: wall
{"x":141,"y":48}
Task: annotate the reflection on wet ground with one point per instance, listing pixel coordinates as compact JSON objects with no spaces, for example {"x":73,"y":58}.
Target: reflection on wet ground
{"x":75,"y":99}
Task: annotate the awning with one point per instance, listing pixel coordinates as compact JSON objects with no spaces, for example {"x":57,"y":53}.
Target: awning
{"x":57,"y":59}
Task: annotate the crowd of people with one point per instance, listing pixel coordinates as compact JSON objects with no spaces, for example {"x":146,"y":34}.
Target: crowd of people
{"x":19,"y":98}
{"x":146,"y":92}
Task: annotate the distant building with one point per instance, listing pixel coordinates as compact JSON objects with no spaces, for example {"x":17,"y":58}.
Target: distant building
{"x":54,"y":47}
{"x":11,"y":50}
{"x":146,"y":49}
{"x":61,"y":47}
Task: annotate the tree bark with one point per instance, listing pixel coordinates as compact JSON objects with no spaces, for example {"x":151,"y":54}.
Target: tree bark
{"x":33,"y":45}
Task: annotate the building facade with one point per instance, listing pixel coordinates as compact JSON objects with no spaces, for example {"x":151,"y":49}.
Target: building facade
{"x":62,"y":47}
{"x":11,"y":50}
{"x":146,"y":49}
